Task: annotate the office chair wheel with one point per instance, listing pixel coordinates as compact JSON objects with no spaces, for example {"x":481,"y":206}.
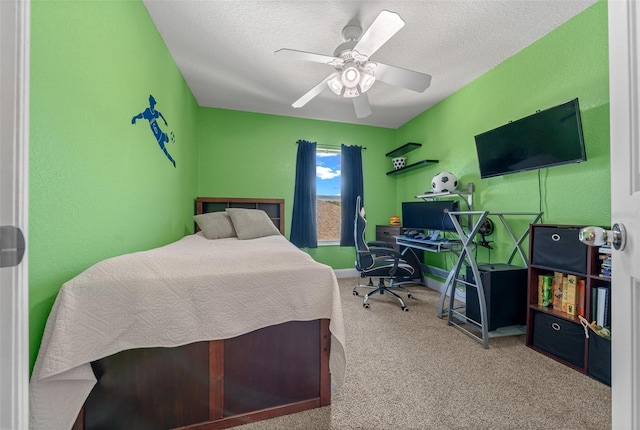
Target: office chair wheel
{"x":365,"y":305}
{"x":355,"y":293}
{"x":409,"y":295}
{"x":406,"y":309}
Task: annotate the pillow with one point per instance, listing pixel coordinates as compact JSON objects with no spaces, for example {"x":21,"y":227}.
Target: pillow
{"x":215,"y":225}
{"x":252,"y":223}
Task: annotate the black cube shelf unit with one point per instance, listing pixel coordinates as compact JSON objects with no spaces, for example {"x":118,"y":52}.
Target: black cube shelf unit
{"x":553,"y":332}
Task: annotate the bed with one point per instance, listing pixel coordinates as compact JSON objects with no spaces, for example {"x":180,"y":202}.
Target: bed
{"x":204,"y":333}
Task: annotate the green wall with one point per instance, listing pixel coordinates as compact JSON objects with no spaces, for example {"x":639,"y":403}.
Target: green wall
{"x":238,"y":150}
{"x":98,"y":185}
{"x":569,"y":62}
{"x":254,"y":155}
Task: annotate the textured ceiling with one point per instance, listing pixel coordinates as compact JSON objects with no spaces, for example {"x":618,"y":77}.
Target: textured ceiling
{"x":225,"y":49}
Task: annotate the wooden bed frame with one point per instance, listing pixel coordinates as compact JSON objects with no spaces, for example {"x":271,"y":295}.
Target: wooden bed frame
{"x":216,"y":384}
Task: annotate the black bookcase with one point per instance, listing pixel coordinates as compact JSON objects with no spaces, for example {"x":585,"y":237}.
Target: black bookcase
{"x":555,"y":333}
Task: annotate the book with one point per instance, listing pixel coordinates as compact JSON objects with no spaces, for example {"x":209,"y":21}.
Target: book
{"x":572,"y":294}
{"x":557,"y":290}
{"x":601,"y":307}
{"x":604,"y":256}
{"x":545,"y":293}
{"x":608,"y":315}
{"x":540,"y":289}
{"x":565,"y":288}
{"x":581,"y":296}
{"x":605,"y":249}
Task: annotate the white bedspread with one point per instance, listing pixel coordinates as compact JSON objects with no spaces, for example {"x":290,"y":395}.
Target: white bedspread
{"x":192,"y":290}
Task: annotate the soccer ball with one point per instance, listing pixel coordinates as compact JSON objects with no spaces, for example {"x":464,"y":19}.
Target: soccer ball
{"x":444,"y":182}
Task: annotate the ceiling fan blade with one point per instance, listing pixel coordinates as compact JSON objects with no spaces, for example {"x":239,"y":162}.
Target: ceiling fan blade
{"x":313,"y":92}
{"x":293,"y":54}
{"x":400,"y":77}
{"x":383,"y":28}
{"x":362,"y":106}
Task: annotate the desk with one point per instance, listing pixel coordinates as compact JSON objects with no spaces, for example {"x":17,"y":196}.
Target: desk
{"x":440,"y":245}
{"x":413,"y":256}
{"x":388,"y":234}
{"x":455,"y":318}
{"x":464,"y":248}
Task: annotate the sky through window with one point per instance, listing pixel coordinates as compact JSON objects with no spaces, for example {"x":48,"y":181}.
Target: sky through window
{"x":328,"y":173}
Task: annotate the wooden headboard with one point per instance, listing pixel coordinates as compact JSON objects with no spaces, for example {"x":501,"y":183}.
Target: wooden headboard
{"x":273,"y":207}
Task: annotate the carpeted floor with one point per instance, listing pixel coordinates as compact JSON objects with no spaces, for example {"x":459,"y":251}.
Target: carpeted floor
{"x":409,"y":370}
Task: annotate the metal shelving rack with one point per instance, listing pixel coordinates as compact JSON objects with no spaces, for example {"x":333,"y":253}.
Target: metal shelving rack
{"x":466,"y":258}
{"x":465,"y":192}
{"x":464,"y":250}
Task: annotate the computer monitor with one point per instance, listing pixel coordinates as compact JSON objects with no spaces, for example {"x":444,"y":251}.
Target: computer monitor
{"x":430,"y":215}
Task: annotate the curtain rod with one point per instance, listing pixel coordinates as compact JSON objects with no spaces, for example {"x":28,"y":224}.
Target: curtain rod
{"x":334,"y":146}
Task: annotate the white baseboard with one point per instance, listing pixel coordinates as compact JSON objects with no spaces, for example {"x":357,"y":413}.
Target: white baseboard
{"x":434,"y":285}
{"x":439,"y":287}
{"x":346,"y":273}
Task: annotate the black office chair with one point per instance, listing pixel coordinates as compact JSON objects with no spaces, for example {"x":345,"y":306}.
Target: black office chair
{"x":378,"y":260}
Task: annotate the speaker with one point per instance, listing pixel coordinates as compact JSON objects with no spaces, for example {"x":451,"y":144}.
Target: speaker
{"x":505,"y":293}
{"x":559,"y":248}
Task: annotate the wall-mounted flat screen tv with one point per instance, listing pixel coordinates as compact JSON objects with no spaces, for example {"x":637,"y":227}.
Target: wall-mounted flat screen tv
{"x":547,"y":138}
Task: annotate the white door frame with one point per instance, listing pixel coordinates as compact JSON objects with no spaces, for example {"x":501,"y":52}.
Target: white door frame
{"x":14,"y":163}
{"x":624,"y":77}
{"x":14,"y":33}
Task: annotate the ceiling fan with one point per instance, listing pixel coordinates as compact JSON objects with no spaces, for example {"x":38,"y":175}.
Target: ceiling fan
{"x":355,"y":73}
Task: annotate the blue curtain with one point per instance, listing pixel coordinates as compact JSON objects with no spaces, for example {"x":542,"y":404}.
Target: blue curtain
{"x":351,"y":187}
{"x":303,"y":223}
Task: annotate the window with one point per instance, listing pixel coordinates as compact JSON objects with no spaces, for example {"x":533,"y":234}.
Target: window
{"x":328,"y":195}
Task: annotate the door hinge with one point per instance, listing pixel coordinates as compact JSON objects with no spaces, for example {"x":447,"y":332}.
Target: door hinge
{"x":12,"y":246}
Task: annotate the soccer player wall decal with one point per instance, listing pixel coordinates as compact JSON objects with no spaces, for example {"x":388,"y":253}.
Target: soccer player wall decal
{"x":151,"y":115}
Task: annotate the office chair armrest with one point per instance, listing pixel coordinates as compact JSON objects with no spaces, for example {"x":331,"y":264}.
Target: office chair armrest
{"x":379,"y":244}
{"x":397,"y":257}
{"x":386,"y":251}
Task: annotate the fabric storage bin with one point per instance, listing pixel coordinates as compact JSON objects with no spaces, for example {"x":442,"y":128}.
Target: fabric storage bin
{"x":599,"y":363}
{"x":559,"y":248}
{"x":560,"y":338}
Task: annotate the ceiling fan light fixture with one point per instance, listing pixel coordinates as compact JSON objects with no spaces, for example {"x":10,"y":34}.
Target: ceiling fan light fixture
{"x":354,"y":73}
{"x":366,"y":81}
{"x":351,"y":76}
{"x":335,"y":84}
{"x":351,"y":92}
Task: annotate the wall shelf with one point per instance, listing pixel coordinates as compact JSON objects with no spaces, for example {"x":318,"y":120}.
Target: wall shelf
{"x":464,"y":192}
{"x":413,"y":166}
{"x":407,"y":147}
